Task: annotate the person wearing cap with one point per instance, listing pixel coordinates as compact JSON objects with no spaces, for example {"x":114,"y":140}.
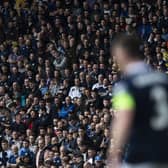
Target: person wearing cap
{"x":57,"y":160}
{"x":26,"y":150}
{"x":25,"y":160}
{"x":99,"y":162}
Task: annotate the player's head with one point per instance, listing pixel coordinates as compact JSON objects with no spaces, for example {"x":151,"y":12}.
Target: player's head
{"x":126,"y":49}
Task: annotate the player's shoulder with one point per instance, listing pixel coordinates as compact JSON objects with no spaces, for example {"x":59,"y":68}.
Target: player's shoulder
{"x":141,"y":81}
{"x":149,"y":78}
{"x":121,"y":86}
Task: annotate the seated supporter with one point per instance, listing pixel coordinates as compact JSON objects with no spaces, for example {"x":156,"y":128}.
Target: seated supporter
{"x":67,"y":108}
{"x":14,"y":156}
{"x":5,"y":153}
{"x":75,"y":91}
{"x":25,"y":149}
{"x":59,"y":59}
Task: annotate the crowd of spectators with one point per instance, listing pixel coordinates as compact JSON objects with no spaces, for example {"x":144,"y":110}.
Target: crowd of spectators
{"x":57,"y":76}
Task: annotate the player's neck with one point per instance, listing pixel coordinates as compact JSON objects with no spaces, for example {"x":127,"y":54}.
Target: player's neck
{"x":134,"y":66}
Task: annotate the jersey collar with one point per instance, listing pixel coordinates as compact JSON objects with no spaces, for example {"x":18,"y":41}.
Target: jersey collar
{"x":137,"y":68}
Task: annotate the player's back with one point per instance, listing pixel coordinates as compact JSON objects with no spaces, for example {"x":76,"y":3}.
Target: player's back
{"x":149,"y":135}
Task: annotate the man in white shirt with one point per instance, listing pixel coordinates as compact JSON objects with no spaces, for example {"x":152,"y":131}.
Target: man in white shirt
{"x":99,"y":83}
{"x":75,"y":91}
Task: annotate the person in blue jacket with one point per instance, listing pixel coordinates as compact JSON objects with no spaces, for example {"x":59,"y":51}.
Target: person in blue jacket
{"x":66,"y":108}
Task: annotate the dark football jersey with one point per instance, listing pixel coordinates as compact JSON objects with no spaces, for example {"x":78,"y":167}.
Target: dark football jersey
{"x":146,"y":94}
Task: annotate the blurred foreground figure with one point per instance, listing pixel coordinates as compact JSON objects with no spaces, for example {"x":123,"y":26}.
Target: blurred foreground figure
{"x":140,"y":102}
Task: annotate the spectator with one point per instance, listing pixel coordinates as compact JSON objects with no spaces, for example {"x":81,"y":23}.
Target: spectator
{"x":67,"y":108}
{"x":25,"y":149}
{"x":40,"y":152}
{"x":99,"y":84}
{"x":5,"y":153}
{"x":75,"y":91}
{"x":12,"y":162}
{"x":59,"y":60}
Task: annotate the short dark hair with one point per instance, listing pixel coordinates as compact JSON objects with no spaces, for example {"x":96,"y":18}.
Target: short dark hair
{"x":4,"y":141}
{"x":26,"y":140}
{"x":131,"y":43}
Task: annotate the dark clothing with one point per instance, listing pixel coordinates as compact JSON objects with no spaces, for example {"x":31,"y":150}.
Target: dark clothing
{"x":148,"y":139}
{"x":3,"y":158}
{"x":36,"y":92}
{"x":19,"y":127}
{"x":41,"y":157}
{"x":44,"y":120}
